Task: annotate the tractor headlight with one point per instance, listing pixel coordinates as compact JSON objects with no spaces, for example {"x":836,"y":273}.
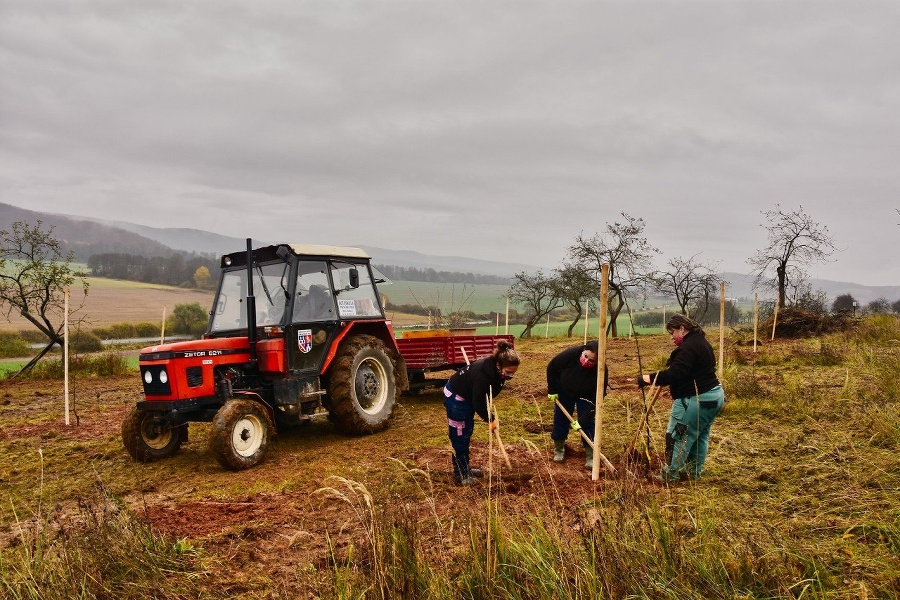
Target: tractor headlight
{"x":163,"y":376}
{"x":148,"y":377}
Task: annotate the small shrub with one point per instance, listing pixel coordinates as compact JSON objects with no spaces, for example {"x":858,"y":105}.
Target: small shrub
{"x":13,"y":345}
{"x":32,"y":336}
{"x":85,"y":341}
{"x":147,"y":329}
{"x":117,"y":331}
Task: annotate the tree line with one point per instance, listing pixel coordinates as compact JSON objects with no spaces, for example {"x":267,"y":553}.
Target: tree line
{"x":180,"y":269}
{"x":432,"y":276}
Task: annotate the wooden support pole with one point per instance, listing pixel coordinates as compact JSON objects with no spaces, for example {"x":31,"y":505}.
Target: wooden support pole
{"x":162,"y":328}
{"x":601,"y":371}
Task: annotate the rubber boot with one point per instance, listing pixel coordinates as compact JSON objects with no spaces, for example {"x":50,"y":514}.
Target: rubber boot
{"x":588,"y":457}
{"x":559,"y":450}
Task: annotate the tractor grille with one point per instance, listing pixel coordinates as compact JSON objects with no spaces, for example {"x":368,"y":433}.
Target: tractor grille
{"x":194,"y":376}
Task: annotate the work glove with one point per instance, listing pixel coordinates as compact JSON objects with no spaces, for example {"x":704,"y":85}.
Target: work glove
{"x":640,"y":381}
{"x":553,"y":397}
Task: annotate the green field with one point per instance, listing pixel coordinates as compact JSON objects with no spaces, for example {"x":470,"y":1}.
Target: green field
{"x":449,"y":297}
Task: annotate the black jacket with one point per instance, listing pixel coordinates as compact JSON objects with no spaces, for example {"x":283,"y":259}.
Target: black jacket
{"x":475,"y":382}
{"x":565,"y":374}
{"x":692,"y":362}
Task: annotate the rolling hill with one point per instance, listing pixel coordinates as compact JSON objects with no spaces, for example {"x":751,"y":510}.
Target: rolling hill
{"x":86,"y":236}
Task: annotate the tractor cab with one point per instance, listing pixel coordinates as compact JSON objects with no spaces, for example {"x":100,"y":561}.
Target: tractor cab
{"x":302,"y":294}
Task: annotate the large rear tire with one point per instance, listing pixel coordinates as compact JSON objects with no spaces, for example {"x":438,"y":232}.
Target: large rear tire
{"x":148,"y":435}
{"x":361,"y":386}
{"x":240,"y":434}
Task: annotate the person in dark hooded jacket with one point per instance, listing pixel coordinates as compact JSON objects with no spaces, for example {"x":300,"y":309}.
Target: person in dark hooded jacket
{"x":572,"y":379}
{"x":697,"y":398}
{"x":466,"y":394}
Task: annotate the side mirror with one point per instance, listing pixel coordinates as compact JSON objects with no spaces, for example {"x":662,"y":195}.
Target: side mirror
{"x":354,"y":278}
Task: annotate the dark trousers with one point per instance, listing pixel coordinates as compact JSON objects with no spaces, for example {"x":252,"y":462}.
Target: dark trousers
{"x":460,"y":423}
{"x":586,"y":413}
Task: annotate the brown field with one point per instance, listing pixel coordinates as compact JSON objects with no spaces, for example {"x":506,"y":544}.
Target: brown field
{"x":112,"y":301}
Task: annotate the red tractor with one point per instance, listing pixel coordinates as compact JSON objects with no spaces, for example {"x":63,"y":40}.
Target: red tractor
{"x":294,"y":329}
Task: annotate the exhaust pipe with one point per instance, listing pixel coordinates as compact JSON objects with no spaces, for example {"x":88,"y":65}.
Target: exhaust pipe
{"x":251,"y":303}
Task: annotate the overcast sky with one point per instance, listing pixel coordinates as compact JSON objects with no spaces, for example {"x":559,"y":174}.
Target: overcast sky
{"x":493,"y":130}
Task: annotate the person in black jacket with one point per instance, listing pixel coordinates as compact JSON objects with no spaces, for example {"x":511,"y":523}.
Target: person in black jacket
{"x":572,"y":379}
{"x":697,"y":397}
{"x":466,"y":394}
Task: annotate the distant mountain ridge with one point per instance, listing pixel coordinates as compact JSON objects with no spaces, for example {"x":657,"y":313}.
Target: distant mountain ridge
{"x":88,"y":235}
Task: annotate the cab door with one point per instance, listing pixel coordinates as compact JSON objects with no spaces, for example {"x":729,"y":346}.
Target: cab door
{"x":313,"y":320}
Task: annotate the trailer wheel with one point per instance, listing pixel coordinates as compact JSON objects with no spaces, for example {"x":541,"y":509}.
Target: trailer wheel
{"x":148,"y":435}
{"x":361,"y":386}
{"x":240,"y":434}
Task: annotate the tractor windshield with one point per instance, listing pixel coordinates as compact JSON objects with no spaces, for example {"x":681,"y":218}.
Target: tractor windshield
{"x":269,"y":289}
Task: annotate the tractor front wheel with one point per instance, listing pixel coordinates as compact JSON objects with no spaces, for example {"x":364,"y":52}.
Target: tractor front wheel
{"x":361,"y":386}
{"x":240,"y":434}
{"x":148,"y":435}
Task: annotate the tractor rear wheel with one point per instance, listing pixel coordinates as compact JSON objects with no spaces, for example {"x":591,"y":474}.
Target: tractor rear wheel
{"x":361,"y":386}
{"x":240,"y":434}
{"x":148,"y":435}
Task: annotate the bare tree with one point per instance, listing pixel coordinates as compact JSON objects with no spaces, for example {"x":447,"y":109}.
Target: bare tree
{"x":627,"y":252}
{"x":576,"y":288}
{"x":794,"y":240}
{"x":34,"y":276}
{"x":691,"y":281}
{"x":539,"y":293}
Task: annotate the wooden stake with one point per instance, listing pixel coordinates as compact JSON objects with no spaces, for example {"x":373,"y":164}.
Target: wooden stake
{"x":775,"y":315}
{"x":755,"y":318}
{"x":721,"y":369}
{"x":162,"y":329}
{"x":587,"y":316}
{"x":601,"y":372}
{"x":547,"y":328}
{"x":506,"y":329}
{"x":66,"y":353}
